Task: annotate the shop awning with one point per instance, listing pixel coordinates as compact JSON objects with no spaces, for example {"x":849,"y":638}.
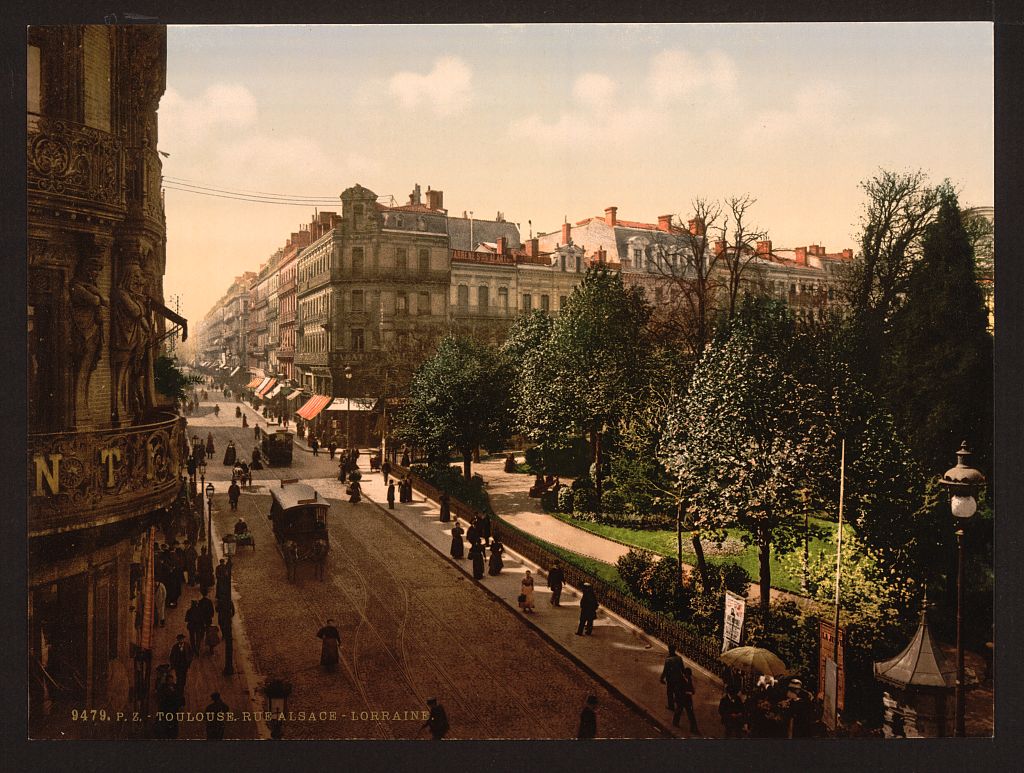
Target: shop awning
{"x":254,"y":383}
{"x":264,"y":383}
{"x":313,"y":406}
{"x":273,"y":392}
{"x":358,"y":404}
{"x":294,"y":395}
{"x":264,"y":388}
{"x":237,"y":368}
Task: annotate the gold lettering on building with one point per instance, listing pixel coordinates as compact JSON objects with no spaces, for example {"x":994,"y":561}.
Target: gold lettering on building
{"x":107,"y":457}
{"x":50,"y":472}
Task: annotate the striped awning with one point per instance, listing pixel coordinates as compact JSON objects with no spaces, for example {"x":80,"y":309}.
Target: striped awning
{"x":313,"y":406}
{"x":273,"y":392}
{"x":356,"y":403}
{"x":294,"y":395}
{"x":237,"y":368}
{"x":254,"y":383}
{"x":264,"y":383}
{"x":264,"y":388}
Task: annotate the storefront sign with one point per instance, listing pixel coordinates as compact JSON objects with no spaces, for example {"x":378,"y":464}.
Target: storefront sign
{"x":735,"y":607}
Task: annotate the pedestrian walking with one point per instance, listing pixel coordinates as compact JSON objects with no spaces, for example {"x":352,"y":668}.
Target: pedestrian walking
{"x":446,"y":508}
{"x":526,"y":593}
{"x":355,"y":491}
{"x":160,"y":601}
{"x":206,"y":577}
{"x":256,"y":431}
{"x":173,"y":579}
{"x":672,"y":678}
{"x":588,"y":719}
{"x":476,"y":555}
{"x":495,"y":564}
{"x":331,"y":448}
{"x":437,"y":720}
{"x":169,"y":702}
{"x":391,"y":495}
{"x":180,"y":659}
{"x":385,"y":470}
{"x":405,"y":457}
{"x":223,"y":573}
{"x":484,"y":528}
{"x":234,"y":492}
{"x":209,"y":444}
{"x":196,"y":626}
{"x":473,"y":532}
{"x":314,"y":444}
{"x":556,"y":578}
{"x":588,"y":610}
{"x":457,"y":546}
{"x":216,"y":718}
{"x":205,"y":612}
{"x":732,"y":712}
{"x":212,"y":639}
{"x":191,"y":465}
{"x":191,"y":557}
{"x":330,"y":645}
{"x":245,"y":421}
{"x":684,"y":702}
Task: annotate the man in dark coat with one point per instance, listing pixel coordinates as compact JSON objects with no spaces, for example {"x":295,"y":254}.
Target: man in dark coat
{"x":385,"y":470}
{"x":588,"y":610}
{"x":314,"y":444}
{"x":206,"y":610}
{"x":234,"y":492}
{"x":173,"y":580}
{"x":223,"y":580}
{"x":456,"y":548}
{"x":476,"y":555}
{"x":556,"y":578}
{"x":437,"y":721}
{"x":588,"y":719}
{"x":169,"y":702}
{"x":672,"y":678}
{"x":391,"y":495}
{"x":191,"y":562}
{"x":191,"y":465}
{"x":331,"y":643}
{"x":473,"y":533}
{"x":206,"y":578}
{"x":180,"y":659}
{"x":196,"y":626}
{"x":216,"y":718}
{"x":484,"y":528}
{"x":732,"y":712}
{"x":331,"y":448}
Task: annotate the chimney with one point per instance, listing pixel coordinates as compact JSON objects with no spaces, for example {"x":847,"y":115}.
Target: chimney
{"x":609,"y":215}
{"x":697,"y":227}
{"x":764,"y":248}
{"x":601,"y":255}
{"x":719,"y":245}
{"x":414,"y":197}
{"x":801,"y":256}
{"x":435,"y":199}
{"x":531,"y":248}
{"x":664,"y":222}
{"x":848,"y":254}
{"x":566,"y":233}
{"x":501,"y":245}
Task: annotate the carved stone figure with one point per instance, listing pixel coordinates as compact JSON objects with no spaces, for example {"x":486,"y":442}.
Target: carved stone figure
{"x":131,"y":337}
{"x":89,"y":312}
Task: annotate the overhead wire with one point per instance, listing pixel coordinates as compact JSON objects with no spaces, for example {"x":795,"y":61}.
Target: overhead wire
{"x":258,"y":197}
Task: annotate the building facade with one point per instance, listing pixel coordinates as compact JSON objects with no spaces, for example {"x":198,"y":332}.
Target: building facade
{"x":104,"y":450}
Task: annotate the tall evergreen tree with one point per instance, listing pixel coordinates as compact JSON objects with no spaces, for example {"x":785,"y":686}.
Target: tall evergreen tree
{"x":939,"y":354}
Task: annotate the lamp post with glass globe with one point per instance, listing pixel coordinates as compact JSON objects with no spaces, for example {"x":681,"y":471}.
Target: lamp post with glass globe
{"x":962,"y":482}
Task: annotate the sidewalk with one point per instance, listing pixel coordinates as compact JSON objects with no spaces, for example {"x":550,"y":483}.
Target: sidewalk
{"x":621,"y":655}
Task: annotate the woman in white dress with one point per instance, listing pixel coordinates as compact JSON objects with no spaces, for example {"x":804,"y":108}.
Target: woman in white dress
{"x":526,"y":591}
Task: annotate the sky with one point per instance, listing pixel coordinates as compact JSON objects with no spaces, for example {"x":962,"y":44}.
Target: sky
{"x":548,"y":122}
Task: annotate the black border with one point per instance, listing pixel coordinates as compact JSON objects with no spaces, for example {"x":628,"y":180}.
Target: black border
{"x":983,"y":754}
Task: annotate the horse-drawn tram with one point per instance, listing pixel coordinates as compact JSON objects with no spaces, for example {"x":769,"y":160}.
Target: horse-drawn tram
{"x":299,"y":517}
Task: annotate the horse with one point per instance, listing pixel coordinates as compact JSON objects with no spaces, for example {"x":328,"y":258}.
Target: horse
{"x":290,"y":551}
{"x":319,"y":556}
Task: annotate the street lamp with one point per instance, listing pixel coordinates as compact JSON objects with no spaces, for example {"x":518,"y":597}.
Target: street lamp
{"x":202,"y":488}
{"x":962,"y":482}
{"x":348,"y":411}
{"x":209,"y":517}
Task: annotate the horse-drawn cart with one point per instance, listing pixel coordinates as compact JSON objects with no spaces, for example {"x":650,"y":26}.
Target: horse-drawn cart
{"x":276,"y":447}
{"x":299,"y":517}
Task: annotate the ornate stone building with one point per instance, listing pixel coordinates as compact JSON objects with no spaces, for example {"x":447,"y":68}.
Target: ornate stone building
{"x":104,"y":456}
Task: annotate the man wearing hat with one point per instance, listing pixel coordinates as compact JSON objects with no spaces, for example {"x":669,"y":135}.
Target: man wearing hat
{"x":588,"y":719}
{"x":180,"y":659}
{"x":588,"y":610}
{"x":437,"y":721}
{"x":216,"y":718}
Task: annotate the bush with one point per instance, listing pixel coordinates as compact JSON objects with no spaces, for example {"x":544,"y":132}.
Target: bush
{"x":612,"y":501}
{"x":583,"y":482}
{"x":583,"y":500}
{"x":549,"y":501}
{"x":452,"y":481}
{"x":564,"y":502}
{"x":632,"y":567}
{"x":634,"y":520}
{"x":568,"y":460}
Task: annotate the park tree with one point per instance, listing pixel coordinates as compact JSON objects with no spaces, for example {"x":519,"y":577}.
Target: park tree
{"x":459,"y":400}
{"x":938,"y":358}
{"x":522,"y":352}
{"x":897,"y":210}
{"x":592,"y":362}
{"x":742,"y":440}
{"x":738,"y":243}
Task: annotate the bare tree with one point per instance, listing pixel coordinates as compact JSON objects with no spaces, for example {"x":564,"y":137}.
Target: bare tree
{"x":739,"y":246}
{"x":690,"y":270}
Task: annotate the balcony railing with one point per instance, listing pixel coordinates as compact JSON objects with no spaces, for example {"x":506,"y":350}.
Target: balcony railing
{"x":69,"y":159}
{"x":286,"y":316}
{"x":489,"y":312}
{"x":79,"y":480}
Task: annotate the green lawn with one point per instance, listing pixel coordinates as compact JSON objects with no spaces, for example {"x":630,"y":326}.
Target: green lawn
{"x":663,"y":542}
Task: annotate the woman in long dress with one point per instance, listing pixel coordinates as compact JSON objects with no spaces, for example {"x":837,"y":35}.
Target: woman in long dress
{"x":495,"y":564}
{"x":331,"y":644}
{"x":457,"y":547}
{"x":476,"y":555}
{"x":526,"y":590}
{"x":209,"y":444}
{"x":354,"y":487}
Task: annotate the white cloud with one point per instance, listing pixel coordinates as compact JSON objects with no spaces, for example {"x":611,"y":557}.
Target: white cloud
{"x":447,"y":88}
{"x":594,"y":90}
{"x":221,"y":106}
{"x":600,"y":116}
